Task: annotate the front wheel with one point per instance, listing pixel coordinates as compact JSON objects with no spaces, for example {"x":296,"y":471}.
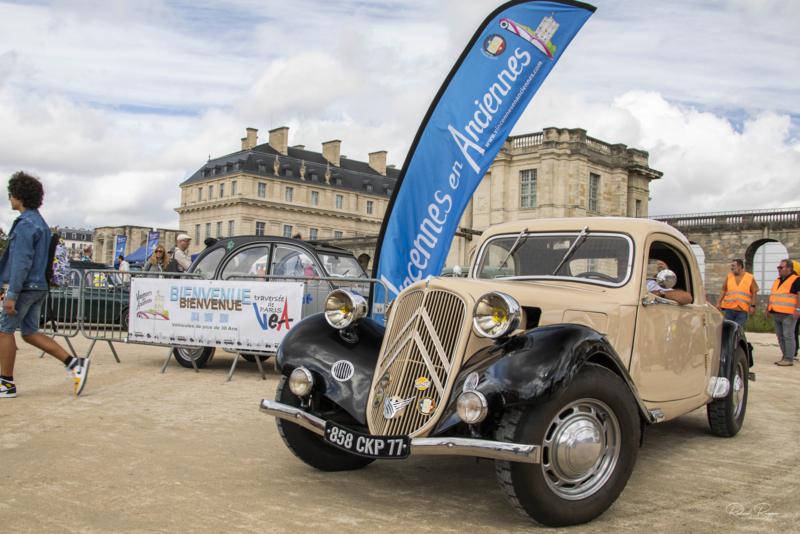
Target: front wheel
{"x":589,"y":438}
{"x":200,"y":355}
{"x":726,"y":415}
{"x":310,"y":447}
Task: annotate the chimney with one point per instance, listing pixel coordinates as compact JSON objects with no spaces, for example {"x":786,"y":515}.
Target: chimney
{"x":377,"y":160}
{"x":331,"y":150}
{"x":251,"y":139}
{"x":279,"y":139}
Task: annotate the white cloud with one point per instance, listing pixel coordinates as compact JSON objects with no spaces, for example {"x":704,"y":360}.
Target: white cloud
{"x":114,"y":104}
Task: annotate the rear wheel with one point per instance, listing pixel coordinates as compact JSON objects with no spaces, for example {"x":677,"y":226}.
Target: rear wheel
{"x":726,"y":415}
{"x":589,"y":439}
{"x":200,"y":355}
{"x":310,"y":447}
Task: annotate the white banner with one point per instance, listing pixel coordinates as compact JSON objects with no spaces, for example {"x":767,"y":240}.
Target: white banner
{"x":235,"y":315}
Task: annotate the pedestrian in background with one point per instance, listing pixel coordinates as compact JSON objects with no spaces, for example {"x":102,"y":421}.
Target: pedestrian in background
{"x":158,"y":260}
{"x":796,"y":266}
{"x":738,"y":297}
{"x":181,"y":256}
{"x":124,"y":266}
{"x":785,"y":310}
{"x":23,"y":267}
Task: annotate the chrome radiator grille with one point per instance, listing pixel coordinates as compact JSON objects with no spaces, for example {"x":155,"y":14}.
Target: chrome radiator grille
{"x":418,"y":360}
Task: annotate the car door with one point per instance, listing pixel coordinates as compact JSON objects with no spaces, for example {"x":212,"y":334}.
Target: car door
{"x":295,"y":262}
{"x":670,"y":340}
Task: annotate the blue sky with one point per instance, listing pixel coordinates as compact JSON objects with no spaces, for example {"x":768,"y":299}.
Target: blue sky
{"x":113,"y":104}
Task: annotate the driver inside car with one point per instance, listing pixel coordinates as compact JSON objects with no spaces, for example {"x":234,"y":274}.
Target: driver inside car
{"x":676,"y":295}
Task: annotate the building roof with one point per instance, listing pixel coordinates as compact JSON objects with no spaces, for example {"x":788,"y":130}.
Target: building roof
{"x":260,"y":161}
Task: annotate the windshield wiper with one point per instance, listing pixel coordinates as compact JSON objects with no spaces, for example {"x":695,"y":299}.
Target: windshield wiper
{"x":575,"y":244}
{"x":513,"y":248}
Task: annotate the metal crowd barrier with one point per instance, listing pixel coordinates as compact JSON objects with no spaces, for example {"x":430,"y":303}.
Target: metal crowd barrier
{"x":315,"y":290}
{"x":60,"y":315}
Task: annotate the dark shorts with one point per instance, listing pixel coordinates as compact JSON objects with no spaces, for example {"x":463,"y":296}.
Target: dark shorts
{"x":29,"y":308}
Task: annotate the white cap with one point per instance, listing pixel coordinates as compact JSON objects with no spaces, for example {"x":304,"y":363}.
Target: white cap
{"x":181,"y":237}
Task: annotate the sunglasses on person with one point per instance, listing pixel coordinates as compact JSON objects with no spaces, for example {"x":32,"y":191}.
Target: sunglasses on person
{"x":159,"y":251}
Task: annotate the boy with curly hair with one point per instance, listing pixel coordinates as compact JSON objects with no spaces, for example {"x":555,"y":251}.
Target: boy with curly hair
{"x":22,"y":268}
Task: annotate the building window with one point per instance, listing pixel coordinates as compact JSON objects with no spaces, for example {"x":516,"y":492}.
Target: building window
{"x":314,"y":198}
{"x":221,"y":190}
{"x":527,"y":188}
{"x":210,"y":192}
{"x":208,"y":230}
{"x":233,"y":187}
{"x":219,"y":229}
{"x":638,"y":208}
{"x":287,"y":230}
{"x":339,"y":201}
{"x":260,"y":226}
{"x":288,"y":172}
{"x":262,"y":190}
{"x":337,"y":234}
{"x":199,"y":193}
{"x":369,"y":207}
{"x":312,"y":233}
{"x":196,"y":233}
{"x":594,"y":190}
{"x":288,"y":195}
{"x":369,"y":188}
{"x":231,"y":229}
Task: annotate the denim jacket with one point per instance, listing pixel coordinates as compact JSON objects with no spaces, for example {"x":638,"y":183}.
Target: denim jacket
{"x":24,"y":261}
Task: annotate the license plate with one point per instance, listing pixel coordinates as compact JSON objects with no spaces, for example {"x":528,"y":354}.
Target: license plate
{"x":365,"y":444}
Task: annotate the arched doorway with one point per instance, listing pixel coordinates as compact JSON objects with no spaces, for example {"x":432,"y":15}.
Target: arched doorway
{"x":762,"y":259}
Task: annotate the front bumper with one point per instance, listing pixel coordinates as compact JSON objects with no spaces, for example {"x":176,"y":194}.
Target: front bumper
{"x":452,"y":446}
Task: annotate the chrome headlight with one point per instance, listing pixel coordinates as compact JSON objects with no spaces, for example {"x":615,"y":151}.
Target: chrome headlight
{"x":495,"y":315}
{"x":301,"y":381}
{"x":343,"y":308}
{"x":472,"y":407}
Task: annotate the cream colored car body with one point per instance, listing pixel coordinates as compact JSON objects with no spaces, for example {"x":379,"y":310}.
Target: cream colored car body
{"x":671,"y":351}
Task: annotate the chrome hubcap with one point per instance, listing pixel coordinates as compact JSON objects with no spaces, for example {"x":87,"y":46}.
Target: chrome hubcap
{"x":190,"y":354}
{"x":580,"y":449}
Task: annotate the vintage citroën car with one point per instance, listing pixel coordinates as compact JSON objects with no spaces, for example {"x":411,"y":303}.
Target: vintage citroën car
{"x":551,"y":358}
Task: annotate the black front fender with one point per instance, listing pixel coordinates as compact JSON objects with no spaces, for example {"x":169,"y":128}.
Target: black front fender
{"x":535,"y":365}
{"x":733,"y":336}
{"x":315,"y":345}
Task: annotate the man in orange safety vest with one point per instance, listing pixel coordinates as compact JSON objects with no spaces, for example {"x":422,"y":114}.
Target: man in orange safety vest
{"x":785,"y":309}
{"x":738,"y":296}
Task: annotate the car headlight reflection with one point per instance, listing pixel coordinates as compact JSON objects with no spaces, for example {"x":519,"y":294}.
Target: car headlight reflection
{"x":301,"y":381}
{"x":495,"y":315}
{"x":472,"y":407}
{"x":343,"y":308}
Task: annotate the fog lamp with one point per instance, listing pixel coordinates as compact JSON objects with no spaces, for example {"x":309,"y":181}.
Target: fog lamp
{"x":472,"y":407}
{"x":301,"y":381}
{"x":343,"y":308}
{"x":495,"y":315}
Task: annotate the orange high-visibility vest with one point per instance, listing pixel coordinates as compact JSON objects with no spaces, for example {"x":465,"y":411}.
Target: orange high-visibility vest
{"x":780,"y":299}
{"x":738,"y":296}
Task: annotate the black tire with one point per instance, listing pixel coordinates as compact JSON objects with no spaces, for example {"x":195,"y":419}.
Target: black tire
{"x":252,"y":357}
{"x":726,"y":415}
{"x":200,"y":355}
{"x":598,"y":406}
{"x":310,"y":447}
{"x":123,"y":319}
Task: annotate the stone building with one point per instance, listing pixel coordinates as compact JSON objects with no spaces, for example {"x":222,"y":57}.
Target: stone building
{"x":78,"y":241}
{"x":276,"y":189}
{"x":105,"y":237}
{"x":273,"y":188}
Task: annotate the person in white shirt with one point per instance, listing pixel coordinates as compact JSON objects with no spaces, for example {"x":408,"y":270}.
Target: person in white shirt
{"x":181,"y":255}
{"x":123,"y":265}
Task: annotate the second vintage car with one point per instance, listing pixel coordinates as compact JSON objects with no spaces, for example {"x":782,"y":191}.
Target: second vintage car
{"x":272,"y":257}
{"x":551,"y":358}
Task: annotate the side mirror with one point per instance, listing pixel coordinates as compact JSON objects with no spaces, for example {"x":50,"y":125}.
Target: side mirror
{"x":666,"y":278}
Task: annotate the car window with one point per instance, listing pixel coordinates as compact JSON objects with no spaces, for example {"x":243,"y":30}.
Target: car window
{"x":341,"y":265}
{"x":207,"y":266}
{"x":599,"y":258}
{"x":676,"y":262}
{"x":247,"y":262}
{"x":292,"y":261}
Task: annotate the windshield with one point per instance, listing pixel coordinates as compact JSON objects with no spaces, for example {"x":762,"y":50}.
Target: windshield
{"x":601,"y":258}
{"x":344,"y":266}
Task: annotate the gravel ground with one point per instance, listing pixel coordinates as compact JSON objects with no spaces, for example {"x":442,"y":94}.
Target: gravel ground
{"x":142,"y":451}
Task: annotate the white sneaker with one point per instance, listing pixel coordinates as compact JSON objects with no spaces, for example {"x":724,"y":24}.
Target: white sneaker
{"x":8,"y":390}
{"x":78,"y":373}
